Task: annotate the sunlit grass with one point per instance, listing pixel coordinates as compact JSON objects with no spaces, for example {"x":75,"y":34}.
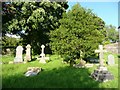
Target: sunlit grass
{"x":55,"y":74}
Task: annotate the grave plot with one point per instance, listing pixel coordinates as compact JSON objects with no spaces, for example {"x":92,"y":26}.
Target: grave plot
{"x":101,"y":73}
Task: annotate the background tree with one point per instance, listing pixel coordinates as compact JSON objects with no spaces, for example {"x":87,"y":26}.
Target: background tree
{"x":10,"y":43}
{"x":111,"y":33}
{"x":36,"y":19}
{"x":7,"y":15}
{"x":80,"y":29}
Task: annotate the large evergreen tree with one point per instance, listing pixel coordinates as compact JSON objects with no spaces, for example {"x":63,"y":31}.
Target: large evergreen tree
{"x":80,"y":30}
{"x":36,"y":19}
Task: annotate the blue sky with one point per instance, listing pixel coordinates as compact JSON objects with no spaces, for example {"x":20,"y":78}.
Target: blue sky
{"x":108,"y":11}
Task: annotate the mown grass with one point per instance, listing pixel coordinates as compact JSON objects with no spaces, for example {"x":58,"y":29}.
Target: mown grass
{"x":55,"y":74}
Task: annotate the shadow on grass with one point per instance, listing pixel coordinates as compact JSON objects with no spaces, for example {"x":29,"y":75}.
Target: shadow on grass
{"x":33,"y":59}
{"x":118,"y":56}
{"x":67,"y":77}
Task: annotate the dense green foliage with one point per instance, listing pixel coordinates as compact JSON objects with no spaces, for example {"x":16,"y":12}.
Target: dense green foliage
{"x":9,"y":41}
{"x":35,"y":18}
{"x":111,"y":33}
{"x":80,"y":29}
{"x":55,"y":74}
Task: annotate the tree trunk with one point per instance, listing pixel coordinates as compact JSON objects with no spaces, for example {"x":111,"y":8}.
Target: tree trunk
{"x":71,"y":62}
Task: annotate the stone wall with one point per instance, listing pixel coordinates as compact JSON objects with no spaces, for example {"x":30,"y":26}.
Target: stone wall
{"x":112,"y":48}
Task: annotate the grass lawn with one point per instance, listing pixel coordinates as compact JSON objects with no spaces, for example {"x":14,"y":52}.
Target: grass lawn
{"x":55,"y":74}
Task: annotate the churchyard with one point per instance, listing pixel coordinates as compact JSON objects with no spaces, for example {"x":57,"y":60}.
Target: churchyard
{"x":55,"y":47}
{"x":54,"y":74}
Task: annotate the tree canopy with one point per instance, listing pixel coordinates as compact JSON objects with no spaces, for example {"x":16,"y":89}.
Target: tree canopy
{"x":36,"y":19}
{"x":80,"y":30}
{"x":111,"y":33}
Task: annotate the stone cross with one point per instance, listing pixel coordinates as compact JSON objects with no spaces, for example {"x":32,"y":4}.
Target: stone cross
{"x":19,"y":51}
{"x":100,"y":51}
{"x":42,"y":54}
{"x":42,"y":49}
{"x":28,"y":53}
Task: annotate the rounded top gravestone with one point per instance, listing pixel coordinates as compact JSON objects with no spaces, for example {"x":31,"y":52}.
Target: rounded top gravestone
{"x":111,"y":60}
{"x":28,"y":46}
{"x":19,"y":51}
{"x":28,"y":53}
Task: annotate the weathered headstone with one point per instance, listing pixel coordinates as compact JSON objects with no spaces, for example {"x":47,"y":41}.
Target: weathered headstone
{"x":8,"y":51}
{"x":32,"y":71}
{"x":28,"y":53}
{"x":111,"y":60}
{"x":19,"y":51}
{"x":80,"y":65}
{"x":101,"y":51}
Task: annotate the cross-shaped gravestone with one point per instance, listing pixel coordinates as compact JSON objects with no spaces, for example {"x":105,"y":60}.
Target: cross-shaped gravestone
{"x":19,"y":51}
{"x":100,"y":51}
{"x":42,"y":54}
{"x":28,"y":53}
{"x":42,"y":46}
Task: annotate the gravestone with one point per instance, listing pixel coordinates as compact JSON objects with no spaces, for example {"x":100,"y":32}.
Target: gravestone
{"x":101,"y":73}
{"x":42,"y":55}
{"x":111,"y":60}
{"x":32,"y":71}
{"x":8,"y":51}
{"x":100,"y":51}
{"x":42,"y":60}
{"x":28,"y":53}
{"x":82,"y":63}
{"x":18,"y":58}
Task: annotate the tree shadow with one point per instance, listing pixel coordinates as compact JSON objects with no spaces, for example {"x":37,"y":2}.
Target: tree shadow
{"x":33,"y":59}
{"x":118,"y":56}
{"x":67,"y":77}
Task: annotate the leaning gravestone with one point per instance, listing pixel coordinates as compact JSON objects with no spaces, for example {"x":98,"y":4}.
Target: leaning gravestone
{"x":28,"y":53}
{"x":101,"y":73}
{"x":18,"y":58}
{"x":111,"y":60}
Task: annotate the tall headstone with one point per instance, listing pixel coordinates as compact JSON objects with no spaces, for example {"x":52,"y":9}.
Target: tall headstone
{"x":101,"y":51}
{"x":19,"y":51}
{"x":111,"y":60}
{"x":42,"y":60}
{"x":28,"y":53}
